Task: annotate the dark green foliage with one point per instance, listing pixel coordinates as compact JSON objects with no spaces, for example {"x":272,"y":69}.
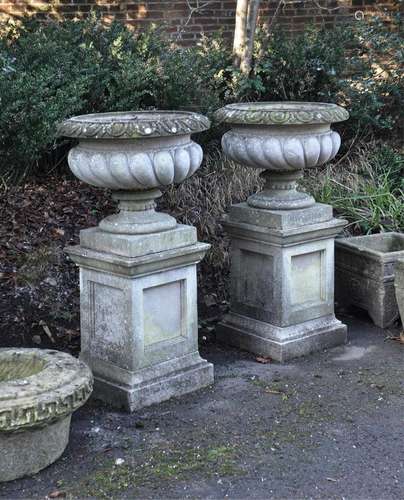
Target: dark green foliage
{"x":52,"y":71}
{"x":368,"y":190}
{"x":357,"y":65}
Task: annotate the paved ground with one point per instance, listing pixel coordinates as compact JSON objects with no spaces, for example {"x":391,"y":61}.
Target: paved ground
{"x":328,"y":425}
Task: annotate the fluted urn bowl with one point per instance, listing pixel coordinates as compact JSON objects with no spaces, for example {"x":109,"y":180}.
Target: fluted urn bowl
{"x":135,"y":154}
{"x":283,"y":138}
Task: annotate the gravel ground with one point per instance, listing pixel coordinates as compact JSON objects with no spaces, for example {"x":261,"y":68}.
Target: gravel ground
{"x":328,"y":425}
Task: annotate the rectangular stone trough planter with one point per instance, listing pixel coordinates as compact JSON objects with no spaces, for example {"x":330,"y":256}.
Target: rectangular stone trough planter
{"x":399,"y":285}
{"x":364,"y":274}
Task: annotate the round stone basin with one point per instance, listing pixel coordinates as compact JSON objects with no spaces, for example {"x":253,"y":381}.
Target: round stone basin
{"x":39,"y":390}
{"x":15,"y":368}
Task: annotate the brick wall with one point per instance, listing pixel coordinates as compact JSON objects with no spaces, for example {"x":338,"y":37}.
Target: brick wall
{"x":208,"y":15}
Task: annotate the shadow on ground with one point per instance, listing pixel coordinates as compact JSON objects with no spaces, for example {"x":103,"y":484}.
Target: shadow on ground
{"x":328,"y":425}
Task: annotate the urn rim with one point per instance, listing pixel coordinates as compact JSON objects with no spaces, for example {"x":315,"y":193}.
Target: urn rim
{"x":281,"y":113}
{"x":40,"y":386}
{"x":133,"y":124}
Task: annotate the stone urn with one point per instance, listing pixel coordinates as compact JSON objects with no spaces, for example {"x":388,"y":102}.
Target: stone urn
{"x":282,"y":241}
{"x":138,"y":267}
{"x":39,"y":391}
{"x":283,"y":138}
{"x":135,"y":154}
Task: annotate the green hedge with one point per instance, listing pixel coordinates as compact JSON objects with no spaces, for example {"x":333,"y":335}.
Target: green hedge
{"x":59,"y":69}
{"x":55,"y":70}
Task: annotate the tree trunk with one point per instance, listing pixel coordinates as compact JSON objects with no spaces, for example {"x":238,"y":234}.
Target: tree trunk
{"x":246,"y":61}
{"x":243,"y":45}
{"x":240,"y":32}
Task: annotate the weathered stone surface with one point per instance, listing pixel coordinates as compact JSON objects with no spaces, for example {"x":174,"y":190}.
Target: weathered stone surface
{"x":283,"y":138}
{"x":139,"y":321}
{"x":138,"y":268}
{"x":133,"y":125}
{"x":282,"y":282}
{"x":282,"y":343}
{"x":26,"y":453}
{"x":282,"y":242}
{"x":137,"y":245}
{"x":135,"y":154}
{"x":281,"y":219}
{"x":291,"y":149}
{"x":365,"y":270}
{"x":281,"y":113}
{"x":39,"y":390}
{"x":399,"y":287}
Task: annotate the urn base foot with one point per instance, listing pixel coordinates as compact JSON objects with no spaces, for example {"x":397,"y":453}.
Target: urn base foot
{"x":280,"y":192}
{"x":137,"y":215}
{"x":288,"y":200}
{"x":145,"y":222}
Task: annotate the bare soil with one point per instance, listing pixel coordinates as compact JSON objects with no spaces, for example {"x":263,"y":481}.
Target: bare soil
{"x":39,"y":285}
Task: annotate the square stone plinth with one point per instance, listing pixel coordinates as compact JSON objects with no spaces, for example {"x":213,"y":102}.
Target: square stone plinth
{"x":365,"y":270}
{"x":282,"y":281}
{"x":139,"y":326}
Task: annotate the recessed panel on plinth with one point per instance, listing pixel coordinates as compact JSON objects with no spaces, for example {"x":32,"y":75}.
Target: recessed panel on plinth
{"x":307,"y":278}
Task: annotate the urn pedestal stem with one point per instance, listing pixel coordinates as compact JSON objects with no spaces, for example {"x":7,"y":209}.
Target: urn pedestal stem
{"x":137,"y":214}
{"x":282,"y":242}
{"x":280,"y":192}
{"x":138,"y":288}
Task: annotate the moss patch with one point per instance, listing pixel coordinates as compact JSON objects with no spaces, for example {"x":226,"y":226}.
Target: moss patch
{"x":110,"y":480}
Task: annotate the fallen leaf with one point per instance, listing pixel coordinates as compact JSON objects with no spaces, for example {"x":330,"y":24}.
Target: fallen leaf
{"x":210,"y":300}
{"x":399,"y":339}
{"x":263,"y":359}
{"x":57,"y":231}
{"x":272,"y":391}
{"x":47,"y":331}
{"x":57,"y":494}
{"x":71,"y":333}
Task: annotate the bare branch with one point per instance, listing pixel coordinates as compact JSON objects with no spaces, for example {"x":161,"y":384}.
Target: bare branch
{"x":252,"y":16}
{"x":280,"y":4}
{"x":264,"y":44}
{"x":328,"y":9}
{"x":193,"y":9}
